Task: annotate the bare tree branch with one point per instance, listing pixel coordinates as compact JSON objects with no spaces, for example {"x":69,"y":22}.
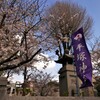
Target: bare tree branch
{"x":19,"y":64}
{"x":8,"y":59}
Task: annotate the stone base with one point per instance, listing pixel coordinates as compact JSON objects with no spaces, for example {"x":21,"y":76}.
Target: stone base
{"x":88,"y":91}
{"x":68,"y":82}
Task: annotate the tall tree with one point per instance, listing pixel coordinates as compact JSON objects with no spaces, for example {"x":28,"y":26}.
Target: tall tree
{"x":62,"y":19}
{"x":19,"y":23}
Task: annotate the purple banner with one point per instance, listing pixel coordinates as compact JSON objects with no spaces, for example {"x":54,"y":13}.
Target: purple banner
{"x":82,"y":58}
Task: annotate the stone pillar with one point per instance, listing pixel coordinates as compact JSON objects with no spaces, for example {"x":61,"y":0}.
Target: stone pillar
{"x":11,"y":90}
{"x":63,"y":83}
{"x":67,"y":81}
{"x":3,"y":89}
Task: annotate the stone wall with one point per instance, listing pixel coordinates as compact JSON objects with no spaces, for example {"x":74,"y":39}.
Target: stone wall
{"x":51,"y":98}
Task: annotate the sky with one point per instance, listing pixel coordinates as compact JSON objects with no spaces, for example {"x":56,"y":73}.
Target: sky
{"x":92,"y":7}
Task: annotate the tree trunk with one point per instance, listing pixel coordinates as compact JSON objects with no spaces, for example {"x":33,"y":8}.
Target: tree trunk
{"x":25,"y":81}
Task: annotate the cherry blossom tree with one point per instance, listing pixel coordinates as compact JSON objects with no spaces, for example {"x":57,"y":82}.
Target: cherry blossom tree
{"x":95,"y":54}
{"x":19,"y":37}
{"x":95,"y":57}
